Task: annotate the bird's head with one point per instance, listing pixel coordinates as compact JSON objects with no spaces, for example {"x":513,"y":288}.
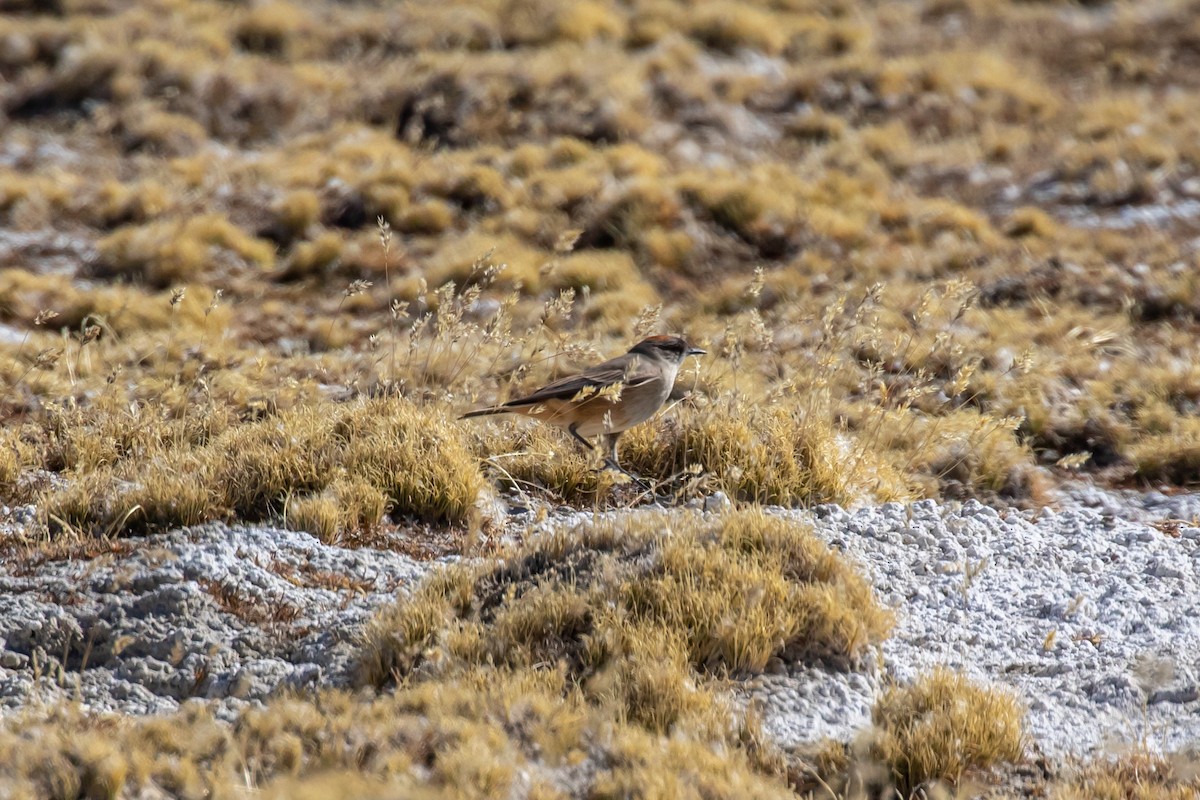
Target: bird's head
{"x":672,"y":349}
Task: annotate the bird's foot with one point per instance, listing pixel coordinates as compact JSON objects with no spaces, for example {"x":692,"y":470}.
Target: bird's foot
{"x":610,"y":463}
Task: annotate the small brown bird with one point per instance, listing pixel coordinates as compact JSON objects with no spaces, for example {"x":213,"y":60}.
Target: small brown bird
{"x":609,"y":398}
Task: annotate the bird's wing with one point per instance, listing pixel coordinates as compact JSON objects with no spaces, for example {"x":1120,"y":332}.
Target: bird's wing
{"x":613,"y":371}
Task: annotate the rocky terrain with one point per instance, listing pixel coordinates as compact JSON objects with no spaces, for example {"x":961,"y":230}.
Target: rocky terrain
{"x":213,"y":612}
{"x":1091,"y":613}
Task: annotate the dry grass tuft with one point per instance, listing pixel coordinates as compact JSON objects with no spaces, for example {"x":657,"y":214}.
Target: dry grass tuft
{"x":963,"y":454}
{"x":630,"y":608}
{"x":535,"y":458}
{"x":329,"y":469}
{"x":764,"y":455}
{"x":942,"y":726}
{"x":165,"y":253}
{"x":315,"y":514}
{"x":1172,"y":457}
{"x":484,"y":734}
{"x":1140,"y":775}
{"x":927,"y":739}
{"x":414,"y":455}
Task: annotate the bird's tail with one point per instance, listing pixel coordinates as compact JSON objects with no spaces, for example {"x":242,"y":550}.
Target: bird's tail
{"x":484,"y":412}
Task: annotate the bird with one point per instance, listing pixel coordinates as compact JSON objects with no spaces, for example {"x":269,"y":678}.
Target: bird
{"x":606,"y":399}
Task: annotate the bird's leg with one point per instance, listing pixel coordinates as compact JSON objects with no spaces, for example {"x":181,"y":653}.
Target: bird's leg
{"x":610,"y":439}
{"x":575,"y":435}
{"x":611,"y":462}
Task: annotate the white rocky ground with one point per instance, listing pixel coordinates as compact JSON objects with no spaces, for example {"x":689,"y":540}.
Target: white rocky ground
{"x":1093,"y":619}
{"x":1091,"y":613}
{"x":225,"y":613}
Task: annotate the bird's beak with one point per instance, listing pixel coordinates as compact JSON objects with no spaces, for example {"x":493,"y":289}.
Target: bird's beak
{"x":696,"y":351}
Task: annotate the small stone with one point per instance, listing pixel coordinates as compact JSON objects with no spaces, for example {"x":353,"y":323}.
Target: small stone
{"x":717,"y":502}
{"x":13,"y":660}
